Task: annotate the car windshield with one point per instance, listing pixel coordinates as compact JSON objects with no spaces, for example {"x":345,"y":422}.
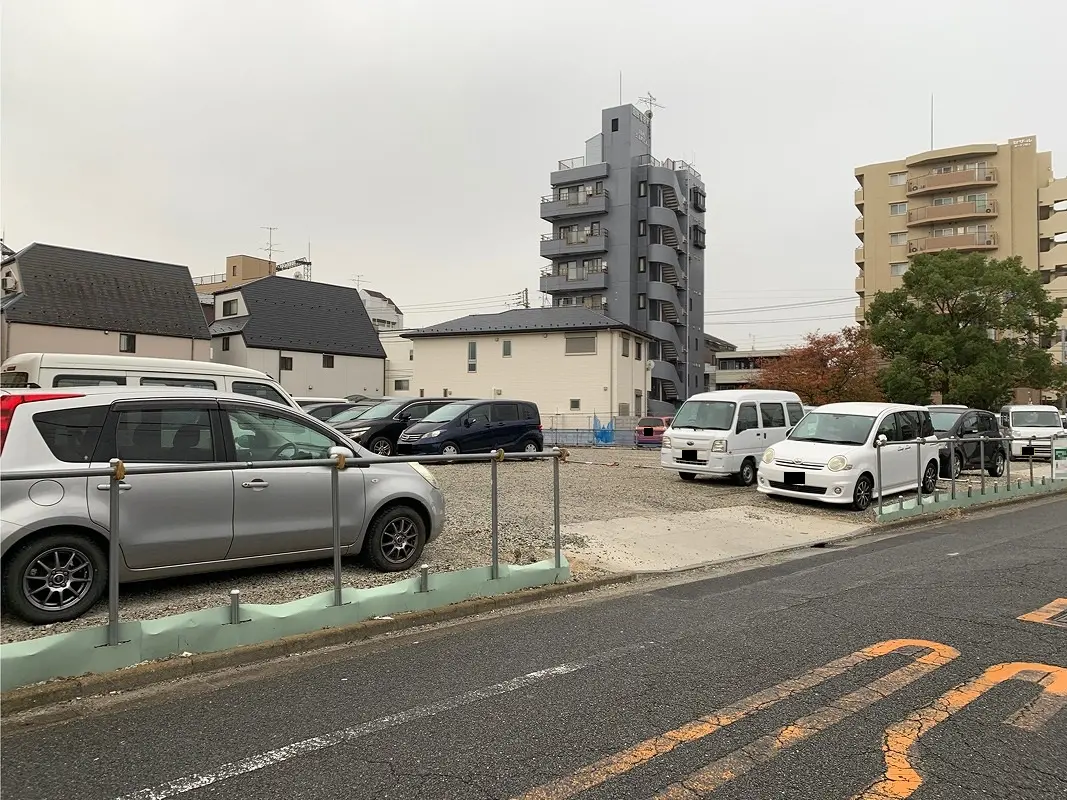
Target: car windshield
{"x":383,"y":410}
{"x":944,"y":420}
{"x":705,"y":415}
{"x":448,"y":413}
{"x":355,"y":412}
{"x":1036,"y":419}
{"x":830,"y":428}
{"x":650,"y":422}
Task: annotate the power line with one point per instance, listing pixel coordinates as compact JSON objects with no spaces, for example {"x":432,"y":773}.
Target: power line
{"x":782,"y":321}
{"x":806,"y":304}
{"x":465,"y":301}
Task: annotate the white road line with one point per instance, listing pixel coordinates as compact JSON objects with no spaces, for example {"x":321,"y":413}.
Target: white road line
{"x":257,"y":762}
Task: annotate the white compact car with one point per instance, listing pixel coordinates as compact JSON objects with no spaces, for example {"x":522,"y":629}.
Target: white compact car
{"x":1031,"y":427}
{"x":831,"y":455}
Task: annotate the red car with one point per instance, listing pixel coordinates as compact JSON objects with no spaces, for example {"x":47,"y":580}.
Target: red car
{"x":649,"y":431}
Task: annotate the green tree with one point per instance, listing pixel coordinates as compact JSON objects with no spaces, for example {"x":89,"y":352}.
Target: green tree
{"x":935,"y":330}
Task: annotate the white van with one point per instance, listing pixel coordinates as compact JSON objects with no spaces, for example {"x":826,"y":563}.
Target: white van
{"x":1039,"y":423}
{"x":54,"y":370}
{"x":725,"y":433}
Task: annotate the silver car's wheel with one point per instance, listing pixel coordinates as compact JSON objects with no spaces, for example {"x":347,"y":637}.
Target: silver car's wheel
{"x":530,"y":447}
{"x":863,"y":493}
{"x":395,"y":539}
{"x":55,"y":578}
{"x":381,"y":447}
{"x":957,"y":465}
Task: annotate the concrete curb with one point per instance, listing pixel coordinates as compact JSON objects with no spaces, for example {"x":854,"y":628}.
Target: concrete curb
{"x":963,"y":511}
{"x":62,"y":690}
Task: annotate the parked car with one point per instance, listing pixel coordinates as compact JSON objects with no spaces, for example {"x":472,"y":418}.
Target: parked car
{"x":476,"y":426}
{"x":1023,"y":423}
{"x":326,"y":410}
{"x":55,"y":535}
{"x":303,"y":402}
{"x":724,"y":433}
{"x":968,"y":425}
{"x":831,"y":455}
{"x":354,"y":411}
{"x":66,"y":370}
{"x":379,"y":427}
{"x":649,"y":431}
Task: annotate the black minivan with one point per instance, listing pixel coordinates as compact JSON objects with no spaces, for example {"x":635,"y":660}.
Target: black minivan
{"x":379,"y":427}
{"x":476,"y":426}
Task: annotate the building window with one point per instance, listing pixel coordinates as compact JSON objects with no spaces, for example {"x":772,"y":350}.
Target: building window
{"x":642,"y":188}
{"x":505,"y":348}
{"x":642,"y":263}
{"x":401,"y":385}
{"x":897,"y":239}
{"x":229,"y":308}
{"x":614,"y":124}
{"x":127,"y":343}
{"x":411,"y":354}
{"x":576,"y":404}
{"x":637,"y":350}
{"x":700,"y":200}
{"x":898,"y":178}
{"x":624,"y":409}
{"x":581,"y":345}
{"x":898,"y":209}
{"x":642,"y":301}
{"x":422,"y":392}
{"x":444,"y":393}
{"x":898,"y":269}
{"x":327,"y":361}
{"x":235,"y":271}
{"x":944,"y":201}
{"x":225,"y":343}
{"x":642,"y":228}
{"x":285,"y":363}
{"x":472,"y":356}
{"x":625,"y":346}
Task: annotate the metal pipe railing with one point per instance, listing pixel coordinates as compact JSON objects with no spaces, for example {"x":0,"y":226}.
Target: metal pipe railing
{"x":117,"y":472}
{"x":954,"y":445}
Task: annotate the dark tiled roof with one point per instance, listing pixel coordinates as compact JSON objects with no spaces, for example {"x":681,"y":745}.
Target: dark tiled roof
{"x":525,"y":320}
{"x":291,"y":314}
{"x":82,"y":289}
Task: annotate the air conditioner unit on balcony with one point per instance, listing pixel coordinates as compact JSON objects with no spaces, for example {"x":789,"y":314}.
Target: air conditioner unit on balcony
{"x":913,"y":248}
{"x":10,"y":283}
{"x":990,"y":242}
{"x":989,"y":209}
{"x":988,"y":176}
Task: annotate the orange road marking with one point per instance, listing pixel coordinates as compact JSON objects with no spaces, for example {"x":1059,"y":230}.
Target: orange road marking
{"x":1046,"y":614}
{"x":706,"y":780}
{"x":622,"y":762}
{"x":901,"y":777}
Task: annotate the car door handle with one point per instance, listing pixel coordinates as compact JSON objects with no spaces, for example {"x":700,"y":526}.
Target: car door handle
{"x":106,"y":487}
{"x":258,"y":483}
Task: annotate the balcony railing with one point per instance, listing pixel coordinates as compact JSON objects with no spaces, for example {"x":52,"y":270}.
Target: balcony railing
{"x":574,"y":237}
{"x":972,"y":208}
{"x":572,"y":163}
{"x":860,"y":284}
{"x":981,"y":240}
{"x":574,"y":198}
{"x":647,"y":160}
{"x":858,"y":196}
{"x":219,"y":277}
{"x":574,"y":203}
{"x":957,"y":179}
{"x":859,"y":224}
{"x":859,"y":255}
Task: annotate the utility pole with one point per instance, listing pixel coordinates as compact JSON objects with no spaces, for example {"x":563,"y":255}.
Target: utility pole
{"x":525,"y":302}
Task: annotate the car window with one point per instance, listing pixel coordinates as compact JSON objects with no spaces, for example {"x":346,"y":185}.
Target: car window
{"x":926,"y":425}
{"x":417,"y":411}
{"x":260,"y":390}
{"x":71,"y":433}
{"x":88,"y":380}
{"x":888,"y":428}
{"x":262,"y":436}
{"x":530,"y":412}
{"x":968,"y":422}
{"x":650,"y":422}
{"x":505,"y":412}
{"x":796,"y":412}
{"x":773,"y":415}
{"x":170,"y":435}
{"x":322,"y":412}
{"x":746,"y":417}
{"x":909,"y":425}
{"x":14,"y":380}
{"x":189,"y":383}
{"x":478,"y":414}
{"x":987,"y":423}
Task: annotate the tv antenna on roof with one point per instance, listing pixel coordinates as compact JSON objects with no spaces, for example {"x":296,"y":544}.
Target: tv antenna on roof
{"x":650,"y":101}
{"x":271,"y":248}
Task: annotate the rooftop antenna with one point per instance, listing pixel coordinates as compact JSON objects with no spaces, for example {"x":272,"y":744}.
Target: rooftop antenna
{"x":931,"y":120}
{"x":650,"y":101}
{"x":620,"y":87}
{"x":358,"y":280}
{"x":271,"y":248}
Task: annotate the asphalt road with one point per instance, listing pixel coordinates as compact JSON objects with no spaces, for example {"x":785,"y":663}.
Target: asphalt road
{"x":768,"y":683}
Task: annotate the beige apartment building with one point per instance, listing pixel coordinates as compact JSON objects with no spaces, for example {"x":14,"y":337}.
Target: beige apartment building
{"x":997,"y":199}
{"x":239,"y":270}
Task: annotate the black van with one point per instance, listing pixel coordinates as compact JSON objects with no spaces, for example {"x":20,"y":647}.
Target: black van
{"x":476,"y":426}
{"x":379,"y":427}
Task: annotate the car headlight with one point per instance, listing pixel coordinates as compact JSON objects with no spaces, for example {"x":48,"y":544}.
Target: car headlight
{"x":666,"y":442}
{"x":425,"y":473}
{"x":837,"y":463}
{"x":431,"y":435}
{"x":768,"y":455}
{"x":355,"y":433}
{"x":718,"y":446}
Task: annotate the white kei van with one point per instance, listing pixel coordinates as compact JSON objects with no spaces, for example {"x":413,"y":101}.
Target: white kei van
{"x":1037,"y":425}
{"x":52,"y":370}
{"x":724,"y":434}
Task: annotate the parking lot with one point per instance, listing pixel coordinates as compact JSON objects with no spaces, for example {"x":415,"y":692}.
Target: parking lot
{"x":595,"y":484}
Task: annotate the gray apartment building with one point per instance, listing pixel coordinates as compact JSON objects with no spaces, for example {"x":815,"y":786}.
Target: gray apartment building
{"x":628,"y":240}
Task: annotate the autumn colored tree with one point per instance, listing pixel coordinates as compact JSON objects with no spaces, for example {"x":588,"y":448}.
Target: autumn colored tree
{"x":827,"y":368}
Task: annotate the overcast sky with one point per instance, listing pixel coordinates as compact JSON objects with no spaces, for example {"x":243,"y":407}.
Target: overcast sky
{"x":411,"y":141}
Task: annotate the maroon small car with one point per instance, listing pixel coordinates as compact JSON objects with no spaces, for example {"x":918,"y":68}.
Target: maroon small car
{"x":649,"y":431}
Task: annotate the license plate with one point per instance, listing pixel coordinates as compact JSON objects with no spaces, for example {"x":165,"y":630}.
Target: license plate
{"x":648,"y":431}
{"x":689,"y":455}
{"x":1027,"y":450}
{"x":794,"y":478}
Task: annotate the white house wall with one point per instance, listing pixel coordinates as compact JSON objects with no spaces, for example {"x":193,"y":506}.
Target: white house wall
{"x":22,"y":338}
{"x":349,"y":375}
{"x":399,"y":364}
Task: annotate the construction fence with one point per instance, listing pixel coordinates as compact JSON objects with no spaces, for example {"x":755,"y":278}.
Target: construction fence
{"x":588,"y":430}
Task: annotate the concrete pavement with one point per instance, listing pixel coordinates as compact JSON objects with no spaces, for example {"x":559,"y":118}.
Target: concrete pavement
{"x":799,"y":680}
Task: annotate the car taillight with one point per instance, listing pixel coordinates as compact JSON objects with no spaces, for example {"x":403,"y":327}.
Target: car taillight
{"x":540,"y":427}
{"x":9,"y":402}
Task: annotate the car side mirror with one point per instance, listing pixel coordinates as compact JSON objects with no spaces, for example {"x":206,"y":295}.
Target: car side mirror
{"x":341,"y":451}
{"x":880,"y":439}
{"x":468,"y":422}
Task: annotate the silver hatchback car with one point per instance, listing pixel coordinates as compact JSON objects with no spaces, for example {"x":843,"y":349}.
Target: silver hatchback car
{"x":54,"y":536}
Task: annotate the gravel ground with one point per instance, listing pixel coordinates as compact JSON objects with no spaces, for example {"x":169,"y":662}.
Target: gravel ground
{"x":621,"y":482}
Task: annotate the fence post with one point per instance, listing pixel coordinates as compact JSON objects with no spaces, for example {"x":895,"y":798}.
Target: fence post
{"x":919,"y":469}
{"x":118,"y":472}
{"x":878,"y":472}
{"x":1007,"y":465}
{"x":1031,"y":458}
{"x":981,"y":459}
{"x":235,"y":606}
{"x":952,"y":464}
{"x":494,"y":519}
{"x":335,"y":513}
{"x":557,"y":540}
